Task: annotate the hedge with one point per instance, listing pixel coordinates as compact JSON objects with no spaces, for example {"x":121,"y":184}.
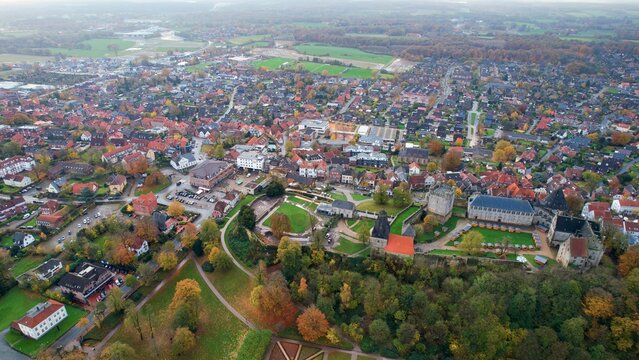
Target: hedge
{"x":255,"y":345}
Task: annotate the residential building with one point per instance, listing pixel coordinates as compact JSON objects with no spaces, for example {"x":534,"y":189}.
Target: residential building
{"x":22,"y":240}
{"x":12,"y":207}
{"x":209,"y":173}
{"x":500,"y":209}
{"x":138,"y":246}
{"x":116,"y":184}
{"x":621,"y":206}
{"x":118,"y":154}
{"x":251,"y":160}
{"x":345,"y":209}
{"x":183,"y":161}
{"x":373,"y":159}
{"x":318,"y":126}
{"x":40,"y":319}
{"x":145,"y":204}
{"x":72,"y":168}
{"x":15,"y":165}
{"x":47,"y":269}
{"x":77,"y":188}
{"x":18,"y":181}
{"x":413,"y":155}
{"x":440,"y":202}
{"x":85,"y":281}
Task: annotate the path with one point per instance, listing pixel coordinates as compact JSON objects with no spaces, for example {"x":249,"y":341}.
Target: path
{"x":7,"y":351}
{"x":226,"y":249}
{"x":231,"y":102}
{"x":441,"y":242}
{"x":98,"y":348}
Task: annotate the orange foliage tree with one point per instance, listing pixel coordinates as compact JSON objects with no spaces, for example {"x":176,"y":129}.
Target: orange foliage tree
{"x":312,"y":324}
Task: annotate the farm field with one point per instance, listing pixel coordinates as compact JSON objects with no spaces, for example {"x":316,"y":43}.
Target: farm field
{"x":314,"y":49}
{"x":214,"y":341}
{"x":279,"y":63}
{"x":96,"y":48}
{"x":298,"y":217}
{"x":31,"y":347}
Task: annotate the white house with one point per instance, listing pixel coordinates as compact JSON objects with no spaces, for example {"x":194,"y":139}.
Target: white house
{"x":413,"y":169}
{"x":138,"y":246}
{"x":623,"y":206}
{"x":18,"y":181}
{"x":86,"y":136}
{"x":40,"y":319}
{"x":15,"y":165}
{"x":22,"y":239}
{"x":183,"y":161}
{"x":251,"y":160}
{"x":48,"y":269}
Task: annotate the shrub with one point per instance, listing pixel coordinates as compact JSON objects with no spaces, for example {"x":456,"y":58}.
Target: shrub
{"x":208,"y":267}
{"x":368,"y":345}
{"x":255,"y":345}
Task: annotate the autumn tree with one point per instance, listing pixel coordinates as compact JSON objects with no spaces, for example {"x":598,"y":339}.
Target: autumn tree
{"x":280,"y":225}
{"x":629,"y":260}
{"x":591,"y":180}
{"x":504,"y":151}
{"x":222,"y":262}
{"x":312,"y":324}
{"x":209,"y":231}
{"x":188,"y":235}
{"x":472,"y":243}
{"x":451,"y":161}
{"x":430,"y":221}
{"x":575,"y":203}
{"x":167,"y":260}
{"x":121,"y":255}
{"x":118,"y":351}
{"x":363,"y":235}
{"x":599,"y":304}
{"x":115,"y":300}
{"x":289,"y":254}
{"x":183,"y":341}
{"x":175,"y":209}
{"x":273,"y":299}
{"x":147,"y":230}
{"x":435,"y":147}
{"x":133,"y":319}
{"x":620,"y":138}
{"x":431,"y":167}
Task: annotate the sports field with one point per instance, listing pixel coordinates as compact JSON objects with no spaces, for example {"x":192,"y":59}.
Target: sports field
{"x":314,"y":49}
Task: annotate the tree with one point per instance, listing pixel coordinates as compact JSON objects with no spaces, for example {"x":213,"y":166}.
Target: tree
{"x":347,"y":301}
{"x":312,"y":324}
{"x":401,"y":195}
{"x":189,"y":235}
{"x":121,"y":255}
{"x":280,"y":225}
{"x":615,"y":241}
{"x":599,"y":304}
{"x":147,"y":230}
{"x":364,"y":235}
{"x":246,"y":217}
{"x":118,"y":351}
{"x":273,"y":299}
{"x":167,"y":260}
{"x":183,"y":341}
{"x":592,"y":180}
{"x":378,"y":331}
{"x":87,"y":194}
{"x":198,"y":248}
{"x":575,"y":203}
{"x":620,"y":138}
{"x":435,"y":147}
{"x":130,"y":280}
{"x":218,"y":151}
{"x":380,"y":196}
{"x":572,"y":331}
{"x":431,"y":167}
{"x":451,"y":161}
{"x":115,"y":300}
{"x":175,"y":209}
{"x":472,"y":243}
{"x":629,"y":260}
{"x":133,"y":319}
{"x":222,"y":262}
{"x":209,"y":231}
{"x":289,"y":253}
{"x":429,"y":223}
{"x":504,"y":151}
{"x":274,"y":189}
{"x":624,"y":330}
{"x":99,"y":310}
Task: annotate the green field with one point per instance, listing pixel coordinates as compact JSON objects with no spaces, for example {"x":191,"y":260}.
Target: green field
{"x":396,"y":226}
{"x":531,"y":260}
{"x":25,"y":264}
{"x":97,"y":48}
{"x":430,"y":236}
{"x":31,"y":347}
{"x":243,"y":40}
{"x":358,"y":197}
{"x":315,"y":68}
{"x":15,"y":303}
{"x":363,"y":223}
{"x":349,"y":247}
{"x":216,"y":341}
{"x":313,"y":49}
{"x":272,"y":63}
{"x":299,"y":218}
{"x":336,"y":195}
{"x":309,"y":204}
{"x":371,"y":206}
{"x":197,"y":67}
{"x":497,"y":236}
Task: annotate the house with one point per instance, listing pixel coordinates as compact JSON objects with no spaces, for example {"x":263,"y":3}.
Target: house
{"x":232,"y":197}
{"x":135,"y":161}
{"x":183,"y":161}
{"x":15,"y":165}
{"x":413,"y":155}
{"x":413,"y":169}
{"x":85,"y":136}
{"x":85,"y":281}
{"x":573,"y":252}
{"x":596,"y":210}
{"x":49,"y":207}
{"x":118,"y":154}
{"x":72,"y":168}
{"x":22,"y":240}
{"x":52,"y":221}
{"x":77,"y":188}
{"x":40,"y":319}
{"x":373,"y":159}
{"x":622,"y":206}
{"x":145,"y":204}
{"x":12,"y":207}
{"x":138,"y":246}
{"x":209,"y":173}
{"x":18,"y":181}
{"x":345,"y":209}
{"x":500,"y":209}
{"x":251,"y":160}
{"x":219,"y":209}
{"x":47,"y":269}
{"x":116,"y":184}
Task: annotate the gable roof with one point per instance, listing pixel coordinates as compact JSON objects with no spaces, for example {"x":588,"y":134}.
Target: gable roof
{"x":503,"y":203}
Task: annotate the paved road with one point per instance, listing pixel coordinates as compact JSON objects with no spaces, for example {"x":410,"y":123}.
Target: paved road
{"x":445,"y":90}
{"x":6,"y":352}
{"x":231,"y":103}
{"x":627,"y":166}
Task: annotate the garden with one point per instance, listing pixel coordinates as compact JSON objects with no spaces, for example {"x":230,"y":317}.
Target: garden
{"x":438,"y":231}
{"x":397,"y":225}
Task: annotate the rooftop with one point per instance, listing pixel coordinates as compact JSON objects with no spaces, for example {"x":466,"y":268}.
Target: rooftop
{"x":503,"y":203}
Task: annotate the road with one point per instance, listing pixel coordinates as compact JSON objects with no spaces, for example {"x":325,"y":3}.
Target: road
{"x":473,"y":125}
{"x":627,"y":166}
{"x":7,"y":353}
{"x":445,"y":90}
{"x":231,"y":103}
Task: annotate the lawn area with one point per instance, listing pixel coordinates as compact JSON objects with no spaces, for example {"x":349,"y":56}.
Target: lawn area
{"x":15,"y":303}
{"x":358,"y":197}
{"x":25,"y":264}
{"x":363,"y":223}
{"x":272,"y":63}
{"x":490,"y":255}
{"x":314,"y":49}
{"x":396,"y":226}
{"x":155,"y":188}
{"x":6,"y":241}
{"x":308,"y":351}
{"x":301,"y":201}
{"x":314,"y":67}
{"x":96,"y":334}
{"x":96,"y":48}
{"x":335,"y":355}
{"x":31,"y":222}
{"x":216,"y":341}
{"x":299,"y":218}
{"x":351,"y":222}
{"x":371,"y":206}
{"x":531,"y":260}
{"x":497,"y":236}
{"x":349,"y":247}
{"x":9,"y":190}
{"x":358,"y":73}
{"x":430,"y":236}
{"x":31,"y":347}
{"x":458,"y":211}
{"x":243,"y":40}
{"x":336,"y":195}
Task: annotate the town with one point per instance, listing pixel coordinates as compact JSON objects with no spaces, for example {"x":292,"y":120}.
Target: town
{"x":278,"y":186}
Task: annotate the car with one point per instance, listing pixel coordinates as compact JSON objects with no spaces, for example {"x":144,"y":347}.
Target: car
{"x":99,"y":214}
{"x":69,"y":232}
{"x":60,"y":240}
{"x":119,"y":282}
{"x":79,"y":226}
{"x":26,"y":216}
{"x":63,"y":238}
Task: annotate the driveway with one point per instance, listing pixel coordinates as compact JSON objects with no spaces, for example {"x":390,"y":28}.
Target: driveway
{"x":7,"y":352}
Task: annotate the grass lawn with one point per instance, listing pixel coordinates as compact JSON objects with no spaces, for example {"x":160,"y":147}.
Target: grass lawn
{"x":371,"y":206}
{"x":497,"y":236}
{"x":457,"y":211}
{"x":6,"y":241}
{"x":339,"y":356}
{"x":31,"y":347}
{"x":272,"y":63}
{"x":15,"y":303}
{"x":358,"y":197}
{"x":6,"y":189}
{"x":25,"y":264}
{"x":301,"y":201}
{"x":362,"y":357}
{"x":216,"y":340}
{"x":396,"y":226}
{"x":531,"y":260}
{"x":298,"y":217}
{"x":313,"y":67}
{"x":31,"y":222}
{"x":96,"y":48}
{"x":155,"y":188}
{"x":336,"y":195}
{"x":314,"y":49}
{"x":96,"y":334}
{"x":349,"y":247}
{"x":363,"y":223}
{"x":351,"y":222}
{"x":430,"y":236}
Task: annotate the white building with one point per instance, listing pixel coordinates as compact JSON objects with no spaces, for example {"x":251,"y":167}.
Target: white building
{"x":138,"y":246}
{"x":500,"y":210}
{"x":183,"y":161}
{"x":22,"y":240}
{"x":18,"y":181}
{"x":15,"y":165}
{"x":251,"y":160}
{"x":319,"y":126}
{"x":40,"y":319}
{"x":624,"y":206}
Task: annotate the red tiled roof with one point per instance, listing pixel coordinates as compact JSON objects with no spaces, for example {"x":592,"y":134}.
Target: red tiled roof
{"x":402,"y":245}
{"x":579,"y":247}
{"x":32,"y":322}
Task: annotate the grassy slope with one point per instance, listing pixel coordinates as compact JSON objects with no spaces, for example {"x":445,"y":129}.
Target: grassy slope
{"x":298,"y":218}
{"x":396,"y":227}
{"x":371,"y":206}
